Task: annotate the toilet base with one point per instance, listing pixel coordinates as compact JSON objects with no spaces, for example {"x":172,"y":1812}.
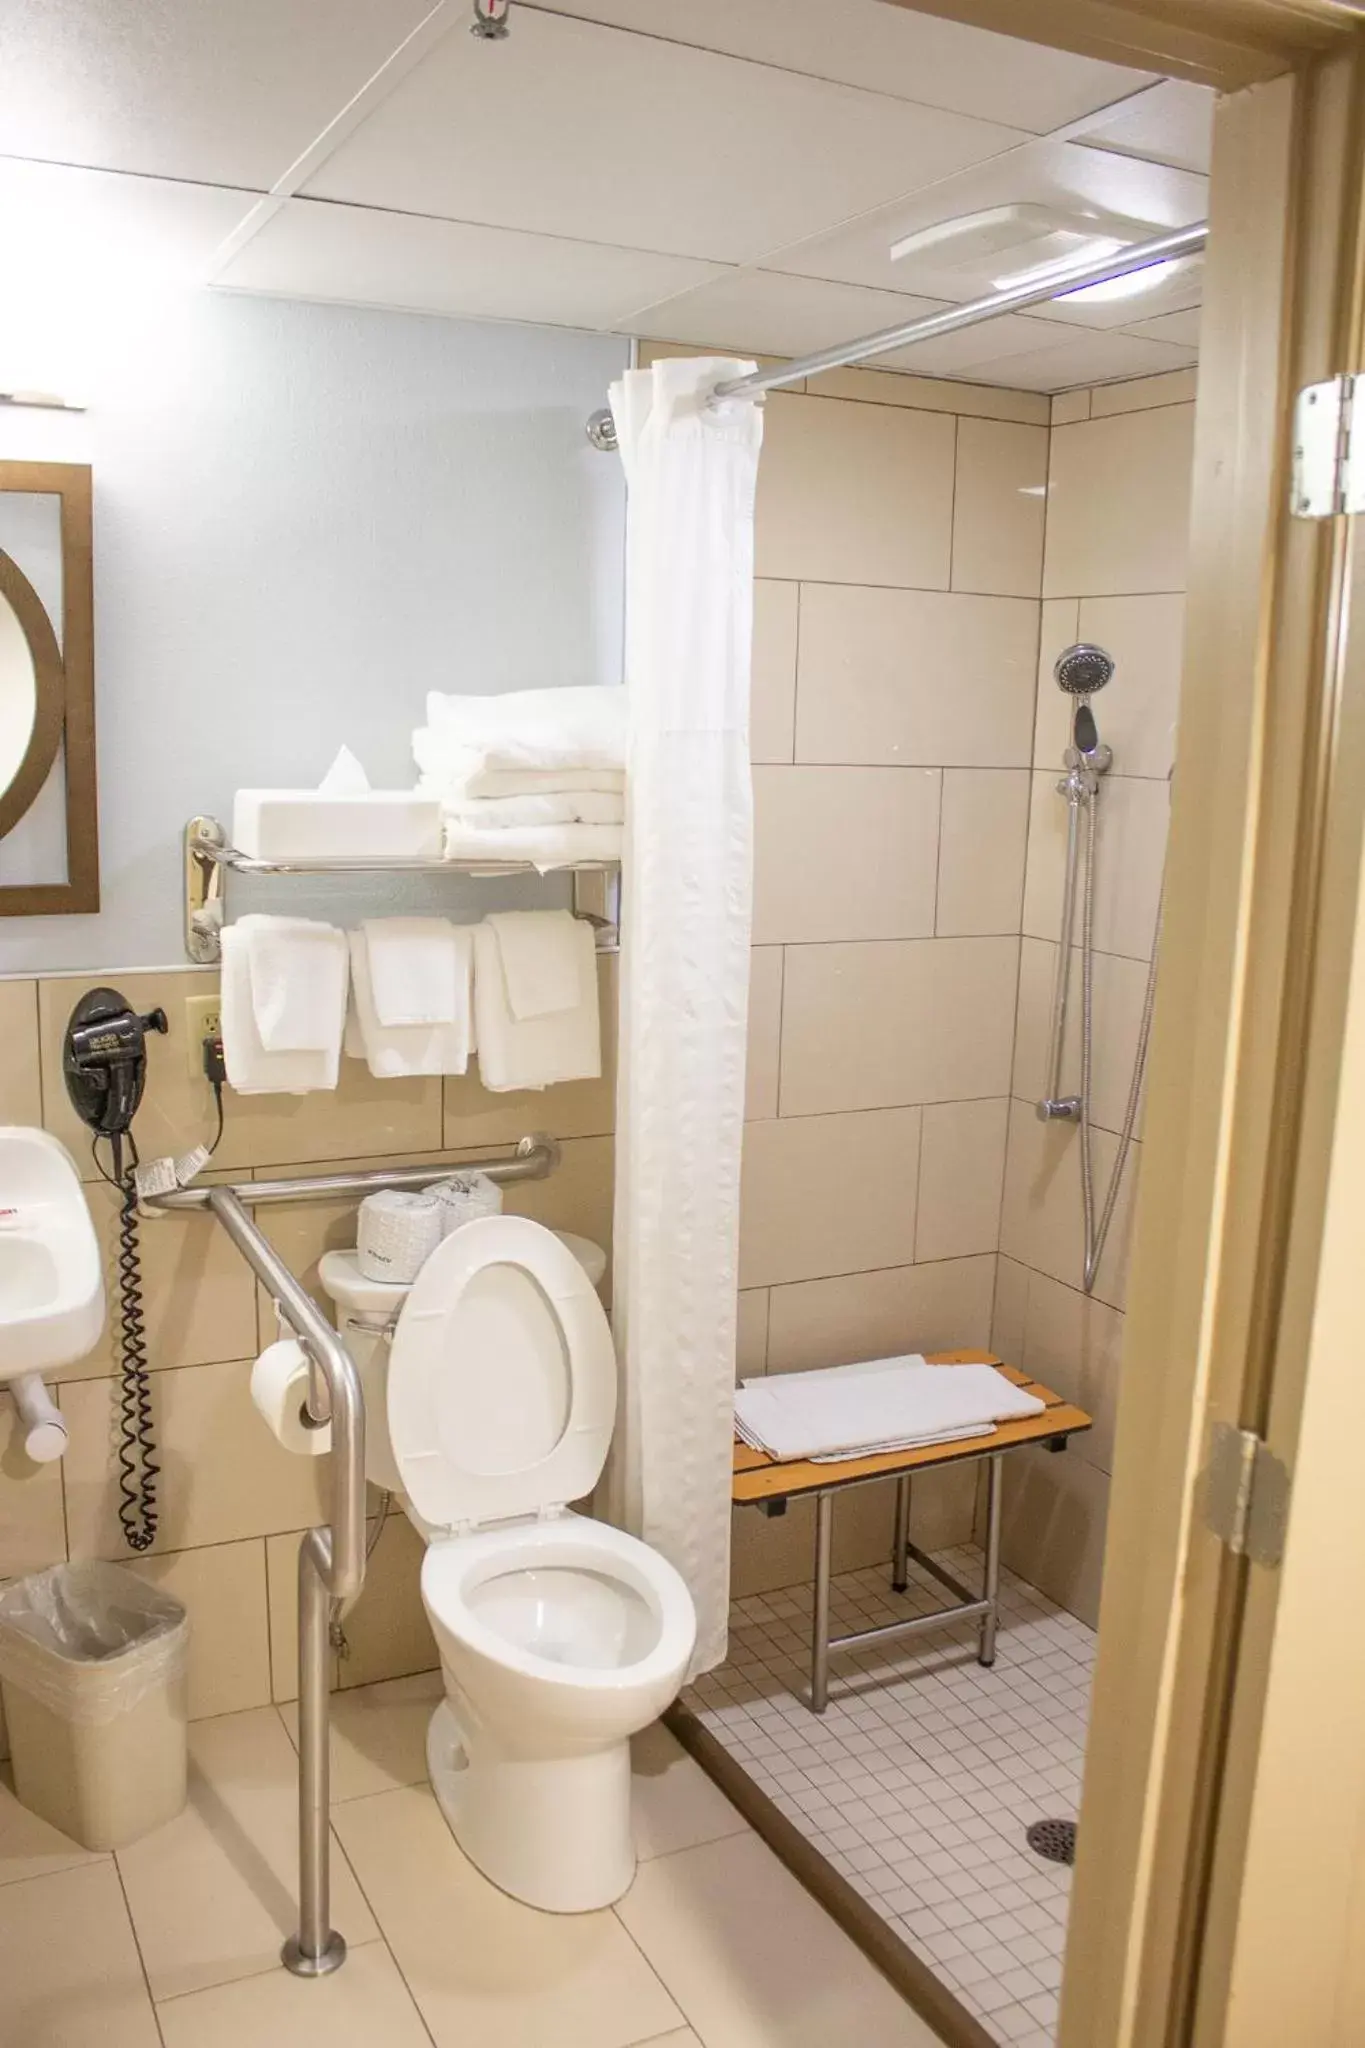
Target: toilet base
{"x":554,"y":1833}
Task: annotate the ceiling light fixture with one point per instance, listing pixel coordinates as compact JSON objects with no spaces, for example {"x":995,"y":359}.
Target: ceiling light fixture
{"x":1122,"y":287}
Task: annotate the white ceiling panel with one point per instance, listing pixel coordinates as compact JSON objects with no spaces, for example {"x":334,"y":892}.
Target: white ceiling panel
{"x":1047,"y":173}
{"x":886,"y":49}
{"x":571,"y":129}
{"x":1085,"y":359}
{"x":1171,"y":124}
{"x":229,"y":91}
{"x":57,"y":218}
{"x":1178,"y":327}
{"x":314,"y":250}
{"x":766,"y":314}
{"x":954,"y":355}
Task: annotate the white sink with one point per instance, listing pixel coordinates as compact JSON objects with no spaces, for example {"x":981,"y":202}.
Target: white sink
{"x":51,"y":1282}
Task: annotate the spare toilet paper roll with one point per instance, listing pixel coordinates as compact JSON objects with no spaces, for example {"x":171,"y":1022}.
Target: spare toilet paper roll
{"x":465,"y":1196}
{"x":396,"y":1234}
{"x":279,"y":1388}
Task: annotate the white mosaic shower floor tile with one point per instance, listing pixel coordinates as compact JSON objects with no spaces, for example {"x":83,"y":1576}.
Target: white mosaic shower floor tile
{"x":920,"y":1779}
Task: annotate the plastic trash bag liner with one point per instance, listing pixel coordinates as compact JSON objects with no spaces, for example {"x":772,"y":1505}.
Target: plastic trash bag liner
{"x":90,"y":1641}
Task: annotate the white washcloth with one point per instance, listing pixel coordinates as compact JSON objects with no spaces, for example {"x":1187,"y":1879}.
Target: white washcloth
{"x":419,"y":970}
{"x":251,"y":1069}
{"x":297,"y":970}
{"x":548,"y":807}
{"x":403,"y":1049}
{"x":534,"y":1052}
{"x":847,"y":1412}
{"x":540,"y":846}
{"x":543,"y":960}
{"x":564,"y":728}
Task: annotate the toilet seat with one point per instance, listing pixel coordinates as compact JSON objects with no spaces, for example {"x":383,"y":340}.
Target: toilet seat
{"x":502,"y":1378}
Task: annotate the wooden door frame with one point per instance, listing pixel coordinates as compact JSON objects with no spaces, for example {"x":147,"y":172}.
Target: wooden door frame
{"x":1251,"y":1027}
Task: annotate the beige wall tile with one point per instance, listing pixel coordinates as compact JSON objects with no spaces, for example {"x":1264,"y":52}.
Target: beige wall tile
{"x":573,"y":1109}
{"x":1119,"y":504}
{"x":1069,"y":406}
{"x":766,"y":1554}
{"x":1131,"y":834}
{"x":849,"y":494}
{"x":1138,"y":710}
{"x":827,"y":1194}
{"x":379,"y":1734}
{"x":1055,"y":1513}
{"x":577,"y":1197}
{"x":772,"y":710}
{"x":362,"y":1115}
{"x":932,"y":394}
{"x":21,"y":1099}
{"x":32,"y":1522}
{"x":1009,"y":1318}
{"x":1041,"y":1222}
{"x":1119,"y":987}
{"x":282,"y":1582}
{"x":765,"y":1031}
{"x":387,"y":1629}
{"x":223,"y":1589}
{"x":961,"y":1173}
{"x":844,"y":853}
{"x":1074,"y":1344}
{"x":940,"y":1307}
{"x":751,"y":1332}
{"x":223,"y":1475}
{"x":998,"y":507}
{"x":982,"y":844}
{"x":868,"y":1026}
{"x":1138,"y":394}
{"x":198,"y":1294}
{"x":915,"y":676}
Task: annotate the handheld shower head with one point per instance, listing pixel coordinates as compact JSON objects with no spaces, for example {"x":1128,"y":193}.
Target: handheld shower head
{"x":1082,"y":669}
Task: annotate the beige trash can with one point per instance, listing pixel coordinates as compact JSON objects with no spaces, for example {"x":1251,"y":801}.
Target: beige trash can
{"x":92,"y":1669}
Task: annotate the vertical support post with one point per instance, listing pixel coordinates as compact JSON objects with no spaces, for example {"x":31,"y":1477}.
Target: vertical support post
{"x":990,"y":1587}
{"x":316,"y":1949}
{"x":819,"y":1642}
{"x":900,"y":1547}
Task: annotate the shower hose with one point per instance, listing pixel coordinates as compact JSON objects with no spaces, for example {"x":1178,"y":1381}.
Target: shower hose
{"x":1097,"y":1229}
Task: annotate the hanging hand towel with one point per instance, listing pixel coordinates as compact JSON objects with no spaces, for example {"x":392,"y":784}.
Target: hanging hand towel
{"x":297,"y":968}
{"x":419,"y":970}
{"x":535,"y":1052}
{"x":396,"y":1050}
{"x":251,"y":1068}
{"x":544,"y":960}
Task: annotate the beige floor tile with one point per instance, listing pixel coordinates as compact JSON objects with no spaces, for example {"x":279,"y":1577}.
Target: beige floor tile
{"x":753,"y":1961}
{"x":69,"y":1970}
{"x":20,"y":1096}
{"x":214,"y":1894}
{"x":379,"y":1734}
{"x":482,"y":1967}
{"x":29,"y":1847}
{"x":675,"y":1803}
{"x":365,"y":2004}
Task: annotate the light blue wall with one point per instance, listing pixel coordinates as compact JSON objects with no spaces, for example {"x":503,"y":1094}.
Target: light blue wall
{"x":307,"y":516}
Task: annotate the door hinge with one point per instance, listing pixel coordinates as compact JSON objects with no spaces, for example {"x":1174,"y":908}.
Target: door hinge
{"x":1328,"y":472}
{"x":1246,"y":1494}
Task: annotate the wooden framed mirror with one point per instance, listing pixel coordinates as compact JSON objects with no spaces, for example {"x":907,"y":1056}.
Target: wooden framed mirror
{"x":49,"y":830}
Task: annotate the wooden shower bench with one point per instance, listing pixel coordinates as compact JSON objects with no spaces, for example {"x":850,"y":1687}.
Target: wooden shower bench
{"x":760,"y":1481}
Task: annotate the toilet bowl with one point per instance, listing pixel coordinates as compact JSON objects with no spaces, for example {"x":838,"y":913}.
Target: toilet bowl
{"x":560,"y":1637}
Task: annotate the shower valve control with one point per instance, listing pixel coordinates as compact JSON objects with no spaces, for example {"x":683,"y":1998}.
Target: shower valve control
{"x":1067,"y":1108}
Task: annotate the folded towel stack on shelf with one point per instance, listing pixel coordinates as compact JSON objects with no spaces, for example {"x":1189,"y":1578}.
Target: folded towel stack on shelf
{"x":418,"y":987}
{"x":884,"y":1404}
{"x":532,"y":775}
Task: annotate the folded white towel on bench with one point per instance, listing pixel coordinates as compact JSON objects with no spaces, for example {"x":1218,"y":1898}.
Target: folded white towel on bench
{"x":879,"y":1405}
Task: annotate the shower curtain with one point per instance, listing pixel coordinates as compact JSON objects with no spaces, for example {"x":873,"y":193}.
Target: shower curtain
{"x":686,"y":907}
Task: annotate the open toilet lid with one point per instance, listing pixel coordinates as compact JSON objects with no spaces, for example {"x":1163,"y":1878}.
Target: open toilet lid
{"x":502,"y":1377}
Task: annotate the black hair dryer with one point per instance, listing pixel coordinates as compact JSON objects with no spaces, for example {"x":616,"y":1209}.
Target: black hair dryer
{"x":104,"y":1058}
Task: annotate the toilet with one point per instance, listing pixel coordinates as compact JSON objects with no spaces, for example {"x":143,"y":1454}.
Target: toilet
{"x":560,"y":1636}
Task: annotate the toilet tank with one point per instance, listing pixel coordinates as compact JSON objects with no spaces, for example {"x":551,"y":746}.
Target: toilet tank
{"x":365,"y":1313}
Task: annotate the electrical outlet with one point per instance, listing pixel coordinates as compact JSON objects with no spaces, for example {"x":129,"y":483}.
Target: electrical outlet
{"x":203,"y":1019}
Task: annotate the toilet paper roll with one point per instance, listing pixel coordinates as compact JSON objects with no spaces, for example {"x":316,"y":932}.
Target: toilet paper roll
{"x":465,"y":1196}
{"x":279,"y":1389}
{"x":396,"y":1233}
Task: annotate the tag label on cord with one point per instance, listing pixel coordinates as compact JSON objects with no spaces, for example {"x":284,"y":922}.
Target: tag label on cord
{"x":155,"y":1177}
{"x":189,"y":1165}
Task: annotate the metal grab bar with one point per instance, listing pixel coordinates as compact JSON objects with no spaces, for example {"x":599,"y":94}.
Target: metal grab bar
{"x":331,"y":1559}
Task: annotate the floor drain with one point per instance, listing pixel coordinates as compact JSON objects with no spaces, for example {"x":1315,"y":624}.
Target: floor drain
{"x":1054,"y":1839}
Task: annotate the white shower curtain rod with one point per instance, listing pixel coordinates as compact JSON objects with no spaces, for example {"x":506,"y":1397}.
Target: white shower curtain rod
{"x":1011,"y":299}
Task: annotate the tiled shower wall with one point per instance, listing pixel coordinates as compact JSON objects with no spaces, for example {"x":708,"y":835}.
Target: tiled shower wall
{"x":1114,"y":572}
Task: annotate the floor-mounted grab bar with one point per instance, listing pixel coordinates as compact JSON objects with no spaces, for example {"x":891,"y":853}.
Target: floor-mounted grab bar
{"x":332,"y":1559}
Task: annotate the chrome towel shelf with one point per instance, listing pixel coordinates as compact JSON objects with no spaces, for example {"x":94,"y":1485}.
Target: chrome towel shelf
{"x":209,"y":859}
